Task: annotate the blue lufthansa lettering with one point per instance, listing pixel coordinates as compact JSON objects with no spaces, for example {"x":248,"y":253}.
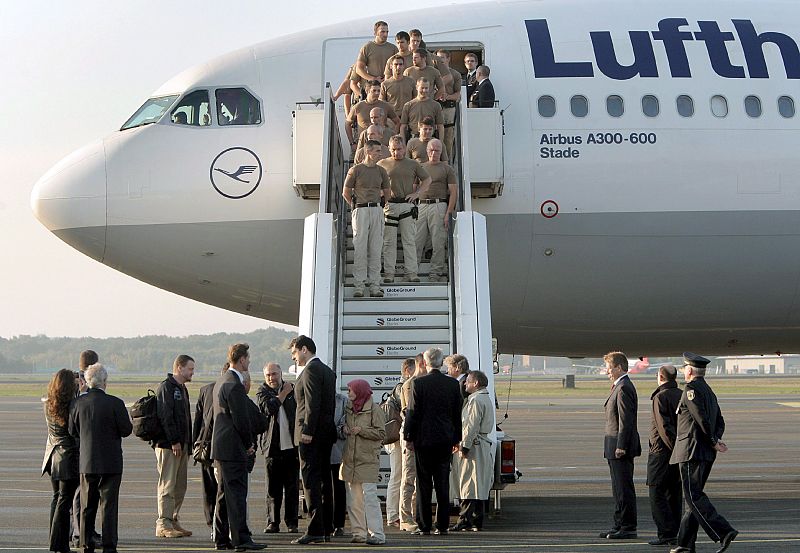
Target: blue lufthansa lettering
{"x":644,"y":59}
{"x":753,"y":47}
{"x":544,"y":59}
{"x":673,"y":38}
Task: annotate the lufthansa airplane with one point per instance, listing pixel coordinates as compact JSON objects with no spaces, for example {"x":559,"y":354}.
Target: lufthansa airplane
{"x":650,"y":159}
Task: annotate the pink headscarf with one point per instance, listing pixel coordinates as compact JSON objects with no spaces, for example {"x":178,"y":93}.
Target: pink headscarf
{"x":362,"y":391}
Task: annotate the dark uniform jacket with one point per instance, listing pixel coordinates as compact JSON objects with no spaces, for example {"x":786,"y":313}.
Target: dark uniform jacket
{"x":203,"y":412}
{"x":258,"y":425}
{"x":434,"y":411}
{"x":621,"y":414}
{"x":269,"y":404}
{"x":174,"y":414}
{"x":99,"y":421}
{"x":663,"y":427}
{"x":315,"y":393}
{"x":483,"y":97}
{"x":231,"y":433}
{"x":61,"y":451}
{"x":664,"y":424}
{"x":700,"y":424}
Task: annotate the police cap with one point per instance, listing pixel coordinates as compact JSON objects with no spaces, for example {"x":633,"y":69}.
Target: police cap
{"x":695,"y":360}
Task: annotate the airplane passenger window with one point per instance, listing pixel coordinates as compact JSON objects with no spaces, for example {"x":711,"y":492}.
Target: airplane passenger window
{"x":650,"y":105}
{"x":786,"y":106}
{"x":615,"y":106}
{"x":236,"y":106}
{"x":191,"y":109}
{"x":752,"y":105}
{"x":547,"y":106}
{"x":579,"y":106}
{"x":719,"y":106}
{"x":685,"y":105}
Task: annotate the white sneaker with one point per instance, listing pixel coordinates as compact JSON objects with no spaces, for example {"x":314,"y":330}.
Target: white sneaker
{"x":412,"y":277}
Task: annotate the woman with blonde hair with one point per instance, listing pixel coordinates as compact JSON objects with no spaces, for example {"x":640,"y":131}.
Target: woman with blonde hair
{"x":60,"y":456}
{"x":365,"y":430}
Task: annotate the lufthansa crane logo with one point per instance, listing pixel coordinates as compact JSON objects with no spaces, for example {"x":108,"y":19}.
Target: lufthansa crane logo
{"x":236,"y":172}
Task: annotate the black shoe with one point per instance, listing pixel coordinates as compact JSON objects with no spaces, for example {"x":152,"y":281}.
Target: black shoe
{"x":607,"y":532}
{"x":439,"y":532}
{"x":327,"y":538}
{"x":305,"y":539}
{"x":419,"y":532}
{"x":460,"y":527}
{"x":663,"y":541}
{"x":250,"y":546}
{"x":292,"y":530}
{"x":726,"y":541}
{"x":622,"y":535}
{"x":223,"y":546}
{"x":338,"y":533}
{"x":681,"y":549}
{"x":272,"y":528}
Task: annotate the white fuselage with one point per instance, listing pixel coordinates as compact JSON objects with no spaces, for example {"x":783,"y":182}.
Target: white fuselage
{"x":671,"y":232}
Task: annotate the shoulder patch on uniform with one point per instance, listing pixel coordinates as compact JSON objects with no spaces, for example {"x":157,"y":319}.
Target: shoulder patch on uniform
{"x":690,"y":395}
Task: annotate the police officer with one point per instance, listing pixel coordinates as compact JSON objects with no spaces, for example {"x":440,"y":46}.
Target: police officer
{"x":663,"y":479}
{"x":700,"y":429}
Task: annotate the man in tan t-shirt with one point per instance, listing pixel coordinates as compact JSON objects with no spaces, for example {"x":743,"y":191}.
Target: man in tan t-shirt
{"x":359,"y":114}
{"x":421,"y":69}
{"x":407,"y":180}
{"x":420,"y":107}
{"x":362,"y":190}
{"x":373,"y":132}
{"x":436,"y":206}
{"x":449,"y":102}
{"x":417,"y":147}
{"x":408,"y":459}
{"x":403,"y":51}
{"x":373,"y":55}
{"x":416,"y":43}
{"x":398,"y":89}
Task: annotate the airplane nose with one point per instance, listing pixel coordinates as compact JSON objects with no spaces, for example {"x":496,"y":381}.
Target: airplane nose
{"x":70,"y":200}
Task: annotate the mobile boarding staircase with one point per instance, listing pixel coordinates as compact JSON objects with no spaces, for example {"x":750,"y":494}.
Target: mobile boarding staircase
{"x":369,"y":337}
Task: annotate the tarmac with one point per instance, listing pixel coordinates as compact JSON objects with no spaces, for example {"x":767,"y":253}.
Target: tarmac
{"x":561,"y":503}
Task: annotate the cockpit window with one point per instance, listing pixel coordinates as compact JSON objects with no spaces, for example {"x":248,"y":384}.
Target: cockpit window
{"x":192,"y":109}
{"x":236,"y":106}
{"x":150,"y":112}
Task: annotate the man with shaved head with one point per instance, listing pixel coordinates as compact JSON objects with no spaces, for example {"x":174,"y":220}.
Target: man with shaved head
{"x":276,"y":401}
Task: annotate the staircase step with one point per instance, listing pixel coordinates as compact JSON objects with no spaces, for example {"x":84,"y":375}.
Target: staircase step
{"x":418,"y":290}
{"x":396,"y":334}
{"x":384,"y":306}
{"x":389,"y":349}
{"x":383,"y":321}
{"x":372,"y":367}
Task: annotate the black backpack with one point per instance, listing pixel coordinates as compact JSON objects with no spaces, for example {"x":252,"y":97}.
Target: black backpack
{"x":145,"y":418}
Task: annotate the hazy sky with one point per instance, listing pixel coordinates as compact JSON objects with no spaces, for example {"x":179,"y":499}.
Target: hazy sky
{"x":73,"y":72}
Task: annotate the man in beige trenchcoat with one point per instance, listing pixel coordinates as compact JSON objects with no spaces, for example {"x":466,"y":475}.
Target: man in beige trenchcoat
{"x":475,"y":458}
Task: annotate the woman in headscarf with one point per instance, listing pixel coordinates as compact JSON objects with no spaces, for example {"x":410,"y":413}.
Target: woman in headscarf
{"x":60,"y":456}
{"x":365,"y":430}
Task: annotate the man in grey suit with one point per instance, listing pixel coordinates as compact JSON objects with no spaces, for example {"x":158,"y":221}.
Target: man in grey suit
{"x":314,"y":434}
{"x":99,"y":421}
{"x":231,"y":441}
{"x":621,"y":445}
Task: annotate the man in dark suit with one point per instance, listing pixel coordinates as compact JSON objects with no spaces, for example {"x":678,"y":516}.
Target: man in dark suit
{"x":700,"y":429}
{"x":663,"y":479}
{"x":231,"y":439}
{"x":433,"y":431}
{"x":621,"y":445}
{"x":483,"y":97}
{"x":458,"y":367}
{"x":203,"y":416}
{"x":471,"y":78}
{"x":314,"y":434}
{"x":99,"y":421}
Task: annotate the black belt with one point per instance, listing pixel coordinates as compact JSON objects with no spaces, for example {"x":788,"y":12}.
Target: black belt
{"x":432,"y":201}
{"x":369,"y":204}
{"x":448,"y":103}
{"x":398,"y":201}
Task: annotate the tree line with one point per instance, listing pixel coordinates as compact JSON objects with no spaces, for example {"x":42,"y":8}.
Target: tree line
{"x":143,"y":355}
